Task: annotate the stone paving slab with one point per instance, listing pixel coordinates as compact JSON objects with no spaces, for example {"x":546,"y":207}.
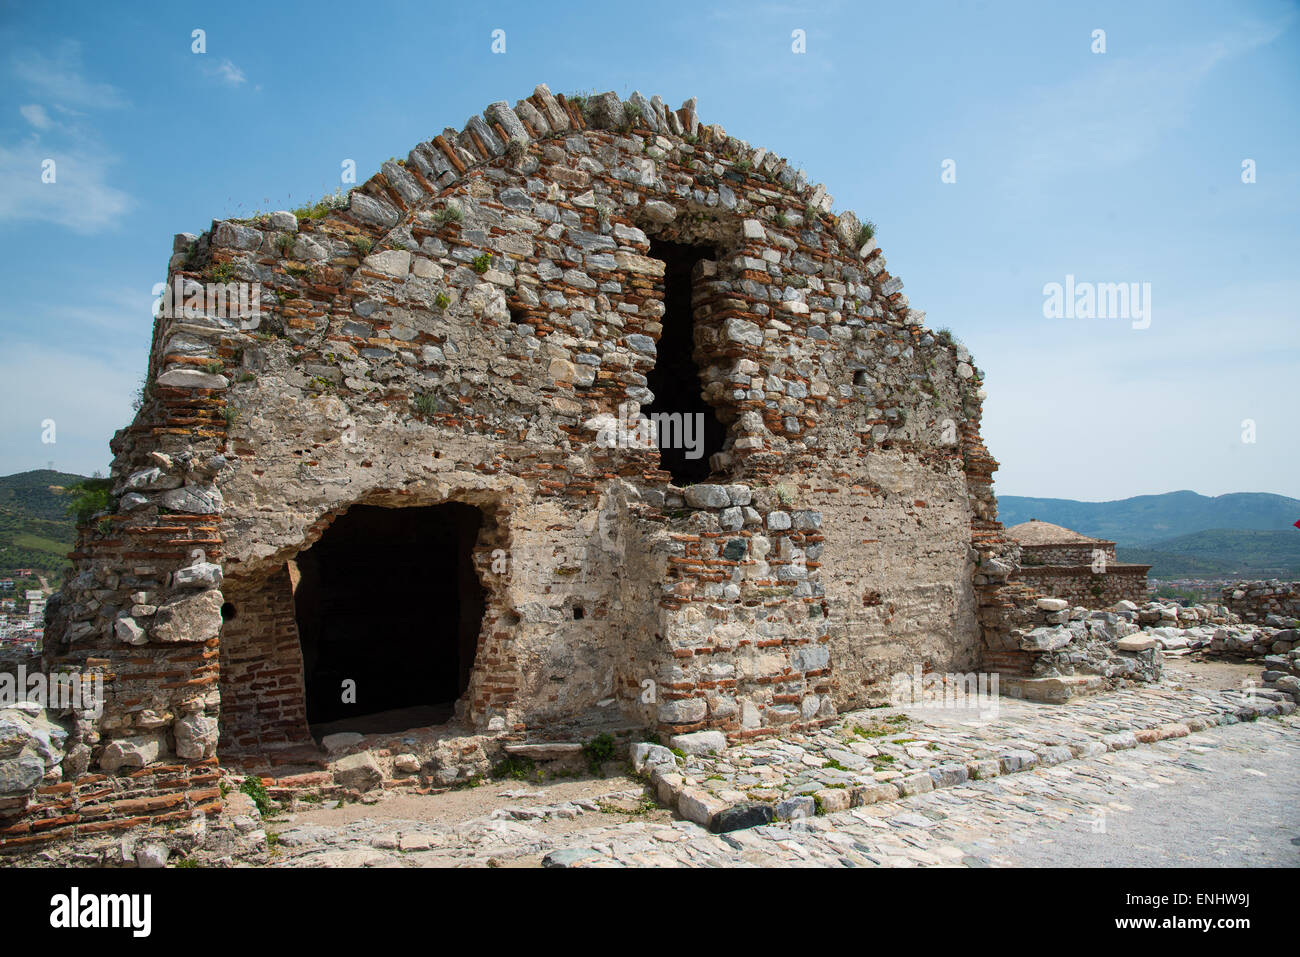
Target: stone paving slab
{"x":1158,"y":738}
{"x":993,"y":823}
{"x":890,"y":753}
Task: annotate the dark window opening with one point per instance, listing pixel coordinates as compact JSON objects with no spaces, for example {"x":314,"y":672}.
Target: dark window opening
{"x":228,"y":612}
{"x":675,"y":378}
{"x":389,"y":606}
{"x":577,"y":613}
{"x":518,"y":315}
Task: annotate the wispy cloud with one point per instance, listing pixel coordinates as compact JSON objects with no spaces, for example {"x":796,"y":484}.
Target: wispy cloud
{"x":59,"y":78}
{"x":226,"y":72}
{"x":35,"y":114}
{"x":60,"y":172}
{"x":1119,"y":111}
{"x":80,"y":197}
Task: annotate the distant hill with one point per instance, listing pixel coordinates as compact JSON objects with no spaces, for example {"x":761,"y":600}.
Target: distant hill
{"x":1182,"y":534}
{"x":1155,"y":518}
{"x":35,"y":530}
{"x":1221,"y":553}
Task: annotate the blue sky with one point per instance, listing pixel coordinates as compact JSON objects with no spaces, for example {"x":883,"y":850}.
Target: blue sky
{"x":1122,"y":166}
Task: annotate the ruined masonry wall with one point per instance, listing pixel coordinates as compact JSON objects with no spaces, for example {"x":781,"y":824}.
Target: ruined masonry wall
{"x":1080,"y":586}
{"x":1255,"y":601}
{"x":1066,"y":554}
{"x":462,"y":331}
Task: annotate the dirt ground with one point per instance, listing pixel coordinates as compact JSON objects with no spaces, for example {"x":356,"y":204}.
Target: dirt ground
{"x":1211,"y":675}
{"x":452,"y":807}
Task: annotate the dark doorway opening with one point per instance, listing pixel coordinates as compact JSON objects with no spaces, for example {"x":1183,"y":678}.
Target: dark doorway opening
{"x":675,"y":378}
{"x":389,"y":606}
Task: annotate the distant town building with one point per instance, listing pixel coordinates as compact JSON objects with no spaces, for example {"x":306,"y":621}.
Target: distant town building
{"x":1062,"y":563}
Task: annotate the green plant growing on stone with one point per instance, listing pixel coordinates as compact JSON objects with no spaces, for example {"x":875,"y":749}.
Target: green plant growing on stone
{"x":90,"y":496}
{"x":579,"y":101}
{"x":781,"y":219}
{"x":518,"y":768}
{"x":785,"y":494}
{"x":866,"y":232}
{"x":214,"y":367}
{"x":810,"y":216}
{"x":451,"y":213}
{"x":598,"y":750}
{"x":481,"y":263}
{"x":426,"y":404}
{"x":324,"y":206}
{"x":221,"y":272}
{"x":284,"y":243}
{"x":631,"y":113}
{"x":253,"y":787}
{"x":363,"y":244}
{"x":442,"y":300}
{"x":141,"y":395}
{"x":229,"y":415}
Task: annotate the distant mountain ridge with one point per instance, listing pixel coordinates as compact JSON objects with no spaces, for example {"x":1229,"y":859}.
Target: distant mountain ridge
{"x":1182,"y":534}
{"x":1153,"y":518}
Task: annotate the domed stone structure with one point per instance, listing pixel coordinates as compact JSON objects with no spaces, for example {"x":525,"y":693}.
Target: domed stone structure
{"x":1062,"y":563}
{"x":588,"y":416}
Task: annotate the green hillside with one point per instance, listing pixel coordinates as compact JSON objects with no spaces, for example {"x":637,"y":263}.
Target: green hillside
{"x":1221,"y":553}
{"x":35,"y":530}
{"x":1147,"y":519}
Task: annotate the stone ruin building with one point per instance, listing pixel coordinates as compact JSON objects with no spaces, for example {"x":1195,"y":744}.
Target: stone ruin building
{"x":410,"y":486}
{"x":1062,"y":563}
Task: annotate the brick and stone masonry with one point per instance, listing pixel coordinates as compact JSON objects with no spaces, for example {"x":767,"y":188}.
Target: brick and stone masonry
{"x":1062,"y":563}
{"x":419,"y":444}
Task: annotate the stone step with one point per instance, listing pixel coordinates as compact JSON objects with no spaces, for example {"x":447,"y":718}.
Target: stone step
{"x":1056,"y":690}
{"x":544,"y":750}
